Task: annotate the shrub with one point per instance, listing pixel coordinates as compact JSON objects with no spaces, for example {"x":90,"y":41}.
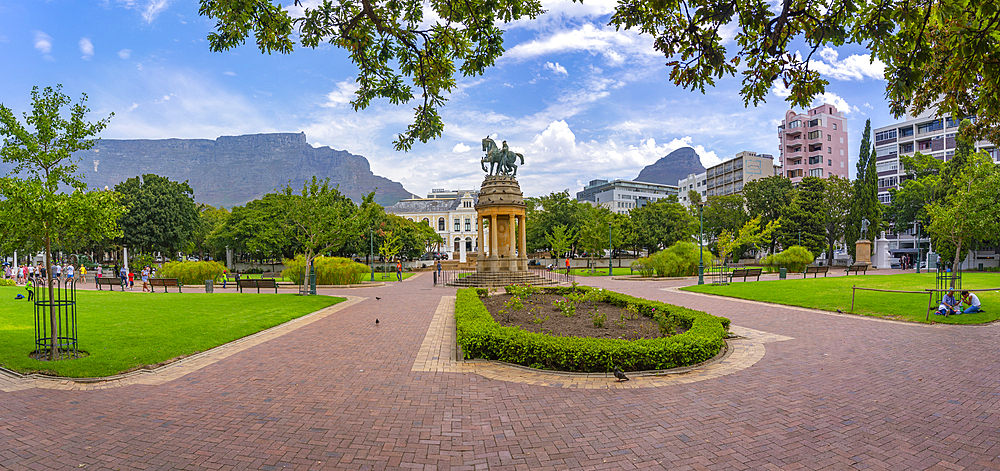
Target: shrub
{"x":190,"y":273}
{"x":794,"y":258}
{"x":7,"y":282}
{"x":644,"y":266}
{"x":329,"y":270}
{"x":480,"y":336}
{"x":680,"y":259}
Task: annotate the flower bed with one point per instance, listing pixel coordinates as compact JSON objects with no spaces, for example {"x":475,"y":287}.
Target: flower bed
{"x":480,"y":336}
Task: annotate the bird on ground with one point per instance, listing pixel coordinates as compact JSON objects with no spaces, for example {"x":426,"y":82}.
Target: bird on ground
{"x":838,"y":310}
{"x":376,"y":321}
{"x":620,"y":375}
{"x":378,"y":298}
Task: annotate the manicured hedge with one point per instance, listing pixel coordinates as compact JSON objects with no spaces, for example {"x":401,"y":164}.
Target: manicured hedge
{"x":482,"y":337}
{"x":329,"y":270}
{"x":191,"y":273}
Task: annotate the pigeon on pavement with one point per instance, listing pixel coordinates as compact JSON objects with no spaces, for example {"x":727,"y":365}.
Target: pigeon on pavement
{"x":376,"y":321}
{"x":620,"y":375}
{"x":377,"y":298}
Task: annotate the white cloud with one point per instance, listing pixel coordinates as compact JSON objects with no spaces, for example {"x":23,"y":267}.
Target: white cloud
{"x":779,"y":89}
{"x":835,"y":100}
{"x":461,"y":148}
{"x":342,"y":95}
{"x":855,"y":67}
{"x":229,"y":73}
{"x":125,"y":53}
{"x":556,"y":68}
{"x":132,"y":108}
{"x":43,"y":42}
{"x":86,"y":48}
{"x":606,"y":41}
{"x":153,"y":9}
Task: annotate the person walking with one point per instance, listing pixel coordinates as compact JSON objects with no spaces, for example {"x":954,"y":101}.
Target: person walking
{"x":83,"y":274}
{"x":567,"y":265}
{"x":145,"y":278}
{"x":399,"y":270}
{"x":439,"y":269}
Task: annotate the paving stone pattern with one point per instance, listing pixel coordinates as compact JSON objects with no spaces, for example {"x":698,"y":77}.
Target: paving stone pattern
{"x":841,"y":392}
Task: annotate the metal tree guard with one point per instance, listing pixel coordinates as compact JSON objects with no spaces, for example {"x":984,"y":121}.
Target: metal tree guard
{"x":61,"y":308}
{"x":943,"y":279}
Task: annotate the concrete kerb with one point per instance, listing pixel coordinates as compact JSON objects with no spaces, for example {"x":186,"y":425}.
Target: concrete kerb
{"x":12,"y":381}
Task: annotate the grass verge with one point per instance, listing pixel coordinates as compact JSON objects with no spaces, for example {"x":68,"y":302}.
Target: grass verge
{"x":124,"y":331}
{"x":834,"y":293}
{"x":600,"y":271}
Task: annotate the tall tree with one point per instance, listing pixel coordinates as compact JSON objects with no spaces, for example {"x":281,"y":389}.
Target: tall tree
{"x":546,"y":212}
{"x":162,"y":214}
{"x":937,"y":52}
{"x":803,"y":219}
{"x":595,"y":232}
{"x":838,"y":204}
{"x":969,"y":210}
{"x":864,"y":202}
{"x":560,"y":240}
{"x":34,"y":211}
{"x":661,"y":223}
{"x":768,"y":198}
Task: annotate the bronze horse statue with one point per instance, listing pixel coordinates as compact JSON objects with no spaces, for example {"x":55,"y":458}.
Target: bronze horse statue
{"x":502,"y":161}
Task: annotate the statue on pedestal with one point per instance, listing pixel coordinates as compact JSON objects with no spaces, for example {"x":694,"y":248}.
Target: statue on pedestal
{"x":864,"y":228}
{"x":501,"y":160}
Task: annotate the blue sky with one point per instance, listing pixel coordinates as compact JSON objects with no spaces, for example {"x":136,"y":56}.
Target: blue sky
{"x":579,"y":99}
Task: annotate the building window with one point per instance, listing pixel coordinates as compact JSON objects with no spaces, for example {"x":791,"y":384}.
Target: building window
{"x":884,"y":198}
{"x":815,"y":134}
{"x":885,"y":135}
{"x":815,"y":160}
{"x":906,"y":132}
{"x":935,"y":125}
{"x":458,"y":225}
{"x":841,"y":151}
{"x":426,"y":221}
{"x":887,"y":166}
{"x":885,"y":150}
{"x":829,"y":150}
{"x":458,"y":247}
{"x":829,"y":137}
{"x":468,"y":225}
{"x":816,"y":172}
{"x":834,"y":126}
{"x":829,"y":162}
{"x":440,"y":224}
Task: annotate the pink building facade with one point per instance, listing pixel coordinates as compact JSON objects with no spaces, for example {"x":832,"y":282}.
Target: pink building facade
{"x":814,"y":143}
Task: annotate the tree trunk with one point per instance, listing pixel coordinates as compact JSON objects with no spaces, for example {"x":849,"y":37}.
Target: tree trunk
{"x":955,"y":263}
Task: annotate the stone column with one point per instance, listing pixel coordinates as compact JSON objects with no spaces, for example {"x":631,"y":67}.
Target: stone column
{"x":523,"y":228}
{"x":494,"y":243}
{"x":479,"y":241}
{"x":513,"y":236}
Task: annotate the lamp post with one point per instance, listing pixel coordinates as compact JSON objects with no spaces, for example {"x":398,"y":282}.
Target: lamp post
{"x":610,"y":266}
{"x":701,"y":237}
{"x":800,"y":237}
{"x":918,"y":247}
{"x":371,"y":251}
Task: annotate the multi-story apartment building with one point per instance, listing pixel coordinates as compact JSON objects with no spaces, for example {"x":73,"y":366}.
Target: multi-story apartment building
{"x":452,"y":214}
{"x":814,"y":143}
{"x":930,"y":134}
{"x":621,"y":196}
{"x":728,"y":177}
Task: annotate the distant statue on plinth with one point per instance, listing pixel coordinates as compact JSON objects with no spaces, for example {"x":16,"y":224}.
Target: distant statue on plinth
{"x":864,"y":228}
{"x":502,"y":160}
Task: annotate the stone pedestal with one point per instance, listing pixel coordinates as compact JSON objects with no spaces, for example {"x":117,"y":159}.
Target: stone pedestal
{"x":863,"y":251}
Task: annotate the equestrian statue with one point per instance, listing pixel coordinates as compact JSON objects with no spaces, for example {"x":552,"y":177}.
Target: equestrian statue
{"x":502,"y":160}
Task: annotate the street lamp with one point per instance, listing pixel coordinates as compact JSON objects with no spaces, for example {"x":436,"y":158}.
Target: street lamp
{"x":918,"y":247}
{"x":701,"y":237}
{"x":371,"y":251}
{"x":610,"y":249}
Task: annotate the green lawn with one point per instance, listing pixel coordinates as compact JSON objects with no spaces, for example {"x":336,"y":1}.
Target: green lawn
{"x":835,"y":293}
{"x":599,"y":271}
{"x":122,"y":331}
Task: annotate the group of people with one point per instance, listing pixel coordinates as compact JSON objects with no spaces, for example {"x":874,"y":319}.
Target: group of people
{"x":25,"y":273}
{"x":951,"y":306}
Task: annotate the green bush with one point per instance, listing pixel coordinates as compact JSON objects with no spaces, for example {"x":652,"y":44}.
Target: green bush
{"x":680,"y":259}
{"x":480,"y":336}
{"x":644,"y":266}
{"x":794,"y":259}
{"x":189,"y":273}
{"x":329,"y":270}
{"x":7,"y":282}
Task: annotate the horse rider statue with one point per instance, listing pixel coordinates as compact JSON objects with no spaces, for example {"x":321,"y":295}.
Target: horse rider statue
{"x":502,"y":160}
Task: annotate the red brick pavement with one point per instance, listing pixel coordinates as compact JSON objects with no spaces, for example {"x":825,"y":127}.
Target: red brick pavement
{"x":845,"y":393}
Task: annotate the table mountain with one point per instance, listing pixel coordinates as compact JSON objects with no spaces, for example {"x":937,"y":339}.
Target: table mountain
{"x":232,"y":170}
{"x":671,"y":168}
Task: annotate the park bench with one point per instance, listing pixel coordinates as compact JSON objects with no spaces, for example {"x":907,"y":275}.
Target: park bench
{"x":857,"y":267}
{"x":815,"y":271}
{"x":259,"y":283}
{"x":745,"y":272}
{"x":164,"y":282}
{"x":111,"y":282}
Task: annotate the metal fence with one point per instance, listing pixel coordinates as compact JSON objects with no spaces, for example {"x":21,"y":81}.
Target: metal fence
{"x":445,"y":277}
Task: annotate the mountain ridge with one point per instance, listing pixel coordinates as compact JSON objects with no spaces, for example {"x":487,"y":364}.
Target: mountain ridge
{"x":672,"y":167}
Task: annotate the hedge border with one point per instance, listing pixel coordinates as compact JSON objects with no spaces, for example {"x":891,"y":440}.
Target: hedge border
{"x":480,"y":336}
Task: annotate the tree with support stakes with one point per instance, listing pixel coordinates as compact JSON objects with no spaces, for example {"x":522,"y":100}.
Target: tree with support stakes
{"x":34,"y":211}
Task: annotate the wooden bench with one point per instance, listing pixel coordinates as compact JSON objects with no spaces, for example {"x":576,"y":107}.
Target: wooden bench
{"x":258,"y":283}
{"x":745,"y":272}
{"x":857,"y":267}
{"x":111,"y":282}
{"x":164,"y":282}
{"x":815,"y":271}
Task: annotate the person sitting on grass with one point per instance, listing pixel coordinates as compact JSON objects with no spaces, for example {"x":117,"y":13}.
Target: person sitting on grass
{"x":973,"y":301}
{"x":949,"y":305}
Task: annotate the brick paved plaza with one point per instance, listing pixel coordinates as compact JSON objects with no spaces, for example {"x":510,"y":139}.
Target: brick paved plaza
{"x":806,"y":390}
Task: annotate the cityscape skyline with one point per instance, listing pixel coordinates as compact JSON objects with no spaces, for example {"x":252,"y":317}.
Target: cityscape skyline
{"x":579,"y":99}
